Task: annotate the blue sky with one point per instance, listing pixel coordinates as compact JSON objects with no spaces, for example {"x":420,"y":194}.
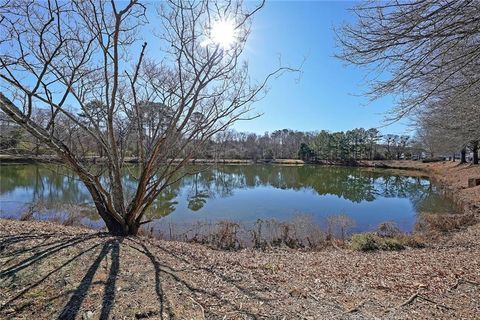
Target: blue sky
{"x":328,"y":95}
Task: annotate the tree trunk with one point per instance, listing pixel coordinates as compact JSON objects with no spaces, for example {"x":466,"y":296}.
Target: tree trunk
{"x":463,"y":158}
{"x":475,"y":152}
{"x":114,"y":227}
{"x":117,"y":229}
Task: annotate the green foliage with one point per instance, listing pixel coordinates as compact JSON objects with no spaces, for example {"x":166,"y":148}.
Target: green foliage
{"x":372,"y":242}
{"x":269,"y":154}
{"x":305,"y":153}
{"x":391,"y":244}
{"x":364,"y":242}
{"x":357,"y":144}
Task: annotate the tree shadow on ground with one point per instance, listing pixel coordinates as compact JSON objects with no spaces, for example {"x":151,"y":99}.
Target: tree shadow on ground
{"x":22,"y":252}
{"x":71,"y":309}
{"x":22,"y":255}
{"x":213,"y":294}
{"x":44,"y":250}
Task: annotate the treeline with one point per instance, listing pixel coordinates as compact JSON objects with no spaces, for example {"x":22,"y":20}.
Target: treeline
{"x":356,"y":144}
{"x":344,"y":146}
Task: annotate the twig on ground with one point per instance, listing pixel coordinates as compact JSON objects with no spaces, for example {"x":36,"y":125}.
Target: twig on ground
{"x":436,"y":303}
{"x":201,"y":307}
{"x":460,"y":281}
{"x":314,"y":297}
{"x":409,"y":300}
{"x":418,"y":296}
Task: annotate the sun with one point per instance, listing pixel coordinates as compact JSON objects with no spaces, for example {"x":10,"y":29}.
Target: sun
{"x":222,"y":33}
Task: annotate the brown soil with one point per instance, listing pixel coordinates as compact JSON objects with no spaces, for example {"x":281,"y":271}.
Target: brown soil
{"x":51,"y":271}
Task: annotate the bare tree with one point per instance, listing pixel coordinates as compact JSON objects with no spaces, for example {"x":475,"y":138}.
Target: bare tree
{"x":427,"y":54}
{"x":417,"y":50}
{"x":84,"y":61}
{"x":455,"y":122}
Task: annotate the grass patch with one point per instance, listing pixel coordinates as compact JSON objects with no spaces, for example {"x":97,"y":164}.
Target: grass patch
{"x":388,"y":237}
{"x":372,"y":242}
{"x":391,"y":244}
{"x":364,"y":242}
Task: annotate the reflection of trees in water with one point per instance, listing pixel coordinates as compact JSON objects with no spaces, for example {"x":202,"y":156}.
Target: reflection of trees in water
{"x":48,"y":184}
{"x":164,"y":204}
{"x":432,"y":202}
{"x":353,"y":184}
{"x":209,"y":184}
{"x":52,"y":184}
{"x":197,"y":197}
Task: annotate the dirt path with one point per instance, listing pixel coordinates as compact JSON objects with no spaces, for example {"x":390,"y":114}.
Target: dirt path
{"x":51,"y":271}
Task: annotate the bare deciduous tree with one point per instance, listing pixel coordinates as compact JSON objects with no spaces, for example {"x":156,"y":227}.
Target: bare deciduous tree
{"x":453,"y":123}
{"x":83,"y":62}
{"x":417,"y":50}
{"x":427,"y":54}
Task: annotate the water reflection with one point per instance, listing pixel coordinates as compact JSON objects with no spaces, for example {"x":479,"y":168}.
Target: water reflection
{"x":245,"y":193}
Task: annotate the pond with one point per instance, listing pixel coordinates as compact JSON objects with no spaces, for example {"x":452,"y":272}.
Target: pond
{"x":241,"y":193}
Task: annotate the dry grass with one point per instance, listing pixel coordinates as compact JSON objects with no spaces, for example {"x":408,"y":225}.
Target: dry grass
{"x":288,"y":161}
{"x":301,"y":232}
{"x":224,"y":161}
{"x":431,"y":223}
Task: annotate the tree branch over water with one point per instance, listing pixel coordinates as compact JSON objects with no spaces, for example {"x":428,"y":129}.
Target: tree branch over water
{"x":80,"y":77}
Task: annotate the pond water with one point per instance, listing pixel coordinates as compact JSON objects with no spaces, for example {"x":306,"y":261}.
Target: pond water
{"x":242,"y":193}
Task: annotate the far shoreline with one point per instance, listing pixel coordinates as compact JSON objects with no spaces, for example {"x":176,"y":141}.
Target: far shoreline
{"x":390,"y":164}
{"x":451,"y":177}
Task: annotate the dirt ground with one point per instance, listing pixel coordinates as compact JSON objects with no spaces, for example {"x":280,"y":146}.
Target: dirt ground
{"x":52,"y":271}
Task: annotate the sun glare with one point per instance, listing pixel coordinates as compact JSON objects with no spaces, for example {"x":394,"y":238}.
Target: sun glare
{"x":223,"y":34}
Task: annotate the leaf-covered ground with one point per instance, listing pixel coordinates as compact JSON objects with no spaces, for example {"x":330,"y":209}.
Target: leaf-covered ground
{"x":51,"y":271}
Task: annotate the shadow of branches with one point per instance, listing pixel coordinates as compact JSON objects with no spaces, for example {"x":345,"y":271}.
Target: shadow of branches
{"x":22,"y":252}
{"x":68,"y":276}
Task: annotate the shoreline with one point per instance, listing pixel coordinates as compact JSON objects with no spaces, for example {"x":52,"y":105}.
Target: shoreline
{"x":451,"y":177}
{"x":443,"y":173}
{"x":49,"y":269}
{"x":387,"y":164}
{"x":29,"y":158}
